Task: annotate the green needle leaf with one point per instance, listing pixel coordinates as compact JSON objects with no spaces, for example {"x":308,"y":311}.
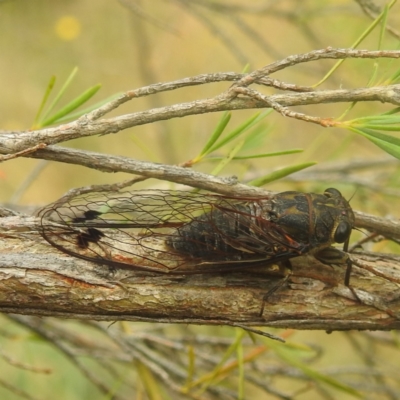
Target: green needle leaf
{"x":264,"y":155}
{"x":61,"y":92}
{"x":365,"y":34}
{"x":289,"y":355}
{"x":86,"y":110}
{"x":281,"y":173}
{"x":216,"y":134}
{"x":383,"y":25}
{"x":239,"y":130}
{"x":73,"y":105}
{"x":227,"y":159}
{"x":49,"y":88}
{"x":393,"y":111}
{"x":388,"y":143}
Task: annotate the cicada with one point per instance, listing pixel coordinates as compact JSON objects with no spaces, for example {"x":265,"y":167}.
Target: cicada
{"x":166,"y":231}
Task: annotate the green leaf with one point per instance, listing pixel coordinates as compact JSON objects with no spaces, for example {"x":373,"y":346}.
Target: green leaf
{"x":264,"y":155}
{"x":191,"y":365}
{"x":290,"y":356}
{"x":281,"y":173}
{"x":227,"y":159}
{"x":216,"y":134}
{"x":49,"y":88}
{"x":252,"y":139}
{"x":393,"y":111}
{"x":72,"y":105}
{"x":149,"y":382}
{"x":388,"y":143}
{"x":373,"y":77}
{"x":240,"y":358}
{"x":86,"y":110}
{"x":364,"y":35}
{"x":256,"y":118}
{"x":246,"y":68}
{"x":256,"y":138}
{"x":395,"y":128}
{"x":60,"y":93}
{"x":206,"y":380}
{"x":394,"y":78}
{"x":381,"y":136}
{"x":383,"y":25}
{"x":387,"y":119}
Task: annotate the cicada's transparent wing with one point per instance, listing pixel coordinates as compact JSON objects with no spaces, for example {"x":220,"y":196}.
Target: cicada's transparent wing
{"x":164,"y":231}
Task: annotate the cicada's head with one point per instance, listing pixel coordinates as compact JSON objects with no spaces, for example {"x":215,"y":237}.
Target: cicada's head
{"x":341,"y":215}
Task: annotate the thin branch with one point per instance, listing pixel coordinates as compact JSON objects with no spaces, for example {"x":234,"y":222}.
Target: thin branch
{"x":284,"y":111}
{"x":90,"y":124}
{"x":389,"y":228}
{"x":23,"y":153}
{"x":170,"y":173}
{"x":16,"y":390}
{"x":328,"y":53}
{"x":28,"y":181}
{"x":229,"y":43}
{"x":135,"y":8}
{"x":160,"y":88}
{"x":14,"y":142}
{"x":373,"y":11}
{"x":38,"y":327}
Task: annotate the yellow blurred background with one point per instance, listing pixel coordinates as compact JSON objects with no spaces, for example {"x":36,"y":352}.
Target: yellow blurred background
{"x":129,"y":44}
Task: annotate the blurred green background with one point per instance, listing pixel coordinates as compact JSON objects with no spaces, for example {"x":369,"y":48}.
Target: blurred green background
{"x":128,"y":44}
{"x":167,"y":40}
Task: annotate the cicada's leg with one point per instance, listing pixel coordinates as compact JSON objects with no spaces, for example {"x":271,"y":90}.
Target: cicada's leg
{"x":287,"y":271}
{"x":330,"y":255}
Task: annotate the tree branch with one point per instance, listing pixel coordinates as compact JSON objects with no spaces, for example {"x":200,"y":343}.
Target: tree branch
{"x":227,"y":186}
{"x":13,"y":142}
{"x":36,"y":279}
{"x":90,"y":124}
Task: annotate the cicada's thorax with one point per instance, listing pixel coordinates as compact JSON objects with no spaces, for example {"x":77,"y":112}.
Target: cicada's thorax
{"x":316,"y":219}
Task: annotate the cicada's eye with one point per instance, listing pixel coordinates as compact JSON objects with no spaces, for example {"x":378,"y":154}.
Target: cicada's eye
{"x":342,"y":232}
{"x":332,"y":192}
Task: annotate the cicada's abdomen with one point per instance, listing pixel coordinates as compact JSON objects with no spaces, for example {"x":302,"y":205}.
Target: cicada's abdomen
{"x":238,"y":232}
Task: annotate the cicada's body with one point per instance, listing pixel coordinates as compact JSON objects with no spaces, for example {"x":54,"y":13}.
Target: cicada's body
{"x":166,"y":231}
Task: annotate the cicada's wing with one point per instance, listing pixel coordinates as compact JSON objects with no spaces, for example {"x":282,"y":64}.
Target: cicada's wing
{"x":166,"y":231}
